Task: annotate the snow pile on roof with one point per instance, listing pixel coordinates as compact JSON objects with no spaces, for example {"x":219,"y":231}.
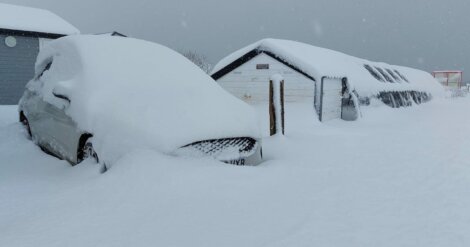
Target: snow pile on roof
{"x":34,"y":20}
{"x":134,"y":94}
{"x":318,"y":62}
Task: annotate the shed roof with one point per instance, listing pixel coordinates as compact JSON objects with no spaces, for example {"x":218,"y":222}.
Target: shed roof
{"x":14,"y":17}
{"x":366,"y":77}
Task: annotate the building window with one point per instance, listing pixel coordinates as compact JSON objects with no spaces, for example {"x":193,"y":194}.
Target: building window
{"x":393,"y":75}
{"x":401,"y":76}
{"x":385,"y":75}
{"x":262,"y":66}
{"x":10,"y":41}
{"x":373,"y":73}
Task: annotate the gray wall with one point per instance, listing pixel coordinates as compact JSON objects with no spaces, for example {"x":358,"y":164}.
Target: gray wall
{"x":16,"y":67}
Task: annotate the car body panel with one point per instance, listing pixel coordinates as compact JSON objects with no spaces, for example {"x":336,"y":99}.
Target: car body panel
{"x":51,"y":128}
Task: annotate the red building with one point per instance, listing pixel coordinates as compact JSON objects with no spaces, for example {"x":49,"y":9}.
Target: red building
{"x":449,"y":78}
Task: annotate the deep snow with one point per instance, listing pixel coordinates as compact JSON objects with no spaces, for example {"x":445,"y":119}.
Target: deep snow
{"x":397,"y":177}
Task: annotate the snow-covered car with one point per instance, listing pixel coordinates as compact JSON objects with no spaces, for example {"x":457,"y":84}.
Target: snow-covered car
{"x":108,"y":96}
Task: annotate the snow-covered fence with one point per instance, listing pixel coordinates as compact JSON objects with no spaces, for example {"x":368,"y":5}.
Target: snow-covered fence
{"x":456,"y":93}
{"x":276,"y":104}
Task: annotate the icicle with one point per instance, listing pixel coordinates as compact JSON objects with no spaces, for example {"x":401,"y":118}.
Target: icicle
{"x":402,"y":99}
{"x":394,"y":105}
{"x":357,"y":105}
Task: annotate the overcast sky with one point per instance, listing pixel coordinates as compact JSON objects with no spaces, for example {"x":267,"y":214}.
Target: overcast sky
{"x":426,"y":34}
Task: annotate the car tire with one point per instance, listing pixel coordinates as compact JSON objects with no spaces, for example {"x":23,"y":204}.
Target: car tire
{"x":25,"y":123}
{"x":88,"y":151}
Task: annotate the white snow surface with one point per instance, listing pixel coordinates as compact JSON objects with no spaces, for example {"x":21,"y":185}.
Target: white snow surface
{"x":318,"y":62}
{"x":380,"y":181}
{"x":22,"y":18}
{"x":133,"y":94}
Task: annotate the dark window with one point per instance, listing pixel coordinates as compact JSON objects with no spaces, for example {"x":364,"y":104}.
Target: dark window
{"x":262,"y":66}
{"x":373,"y":72}
{"x":393,"y":75}
{"x":385,"y":75}
{"x":401,"y":76}
{"x":403,"y":99}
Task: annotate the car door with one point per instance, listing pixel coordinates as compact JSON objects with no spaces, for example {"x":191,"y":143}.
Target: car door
{"x":32,"y":106}
{"x":61,"y":130}
{"x":51,"y":127}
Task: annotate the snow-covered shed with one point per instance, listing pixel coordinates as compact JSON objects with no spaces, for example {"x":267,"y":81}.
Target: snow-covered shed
{"x":315,"y":74}
{"x":23,"y":31}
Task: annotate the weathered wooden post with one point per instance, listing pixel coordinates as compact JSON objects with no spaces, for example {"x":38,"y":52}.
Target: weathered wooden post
{"x":276,"y":105}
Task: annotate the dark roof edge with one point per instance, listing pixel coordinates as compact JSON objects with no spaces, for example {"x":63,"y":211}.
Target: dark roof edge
{"x":250,"y":55}
{"x":113,"y":33}
{"x":31,"y":34}
{"x":235,"y":64}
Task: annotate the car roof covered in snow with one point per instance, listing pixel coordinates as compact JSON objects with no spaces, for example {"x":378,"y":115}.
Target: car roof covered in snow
{"x":14,"y":17}
{"x":132,"y":93}
{"x":366,"y":77}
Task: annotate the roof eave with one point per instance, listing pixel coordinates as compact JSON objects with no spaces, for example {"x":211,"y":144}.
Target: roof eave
{"x":250,"y":55}
{"x":6,"y":31}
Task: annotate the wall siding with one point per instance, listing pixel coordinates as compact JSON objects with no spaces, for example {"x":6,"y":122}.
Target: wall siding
{"x":252,"y":85}
{"x":16,"y":67}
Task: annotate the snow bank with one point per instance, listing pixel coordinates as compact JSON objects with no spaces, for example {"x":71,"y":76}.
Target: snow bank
{"x":318,"y":62}
{"x":134,"y":94}
{"x":35,"y":20}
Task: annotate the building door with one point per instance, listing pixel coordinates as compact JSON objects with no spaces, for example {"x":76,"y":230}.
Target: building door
{"x":330,"y":97}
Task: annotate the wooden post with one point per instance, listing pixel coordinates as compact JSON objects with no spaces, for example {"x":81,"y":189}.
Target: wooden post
{"x":282,"y":104}
{"x":273,"y":112}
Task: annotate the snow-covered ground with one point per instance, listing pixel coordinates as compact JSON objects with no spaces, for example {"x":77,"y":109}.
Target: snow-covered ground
{"x":397,"y":177}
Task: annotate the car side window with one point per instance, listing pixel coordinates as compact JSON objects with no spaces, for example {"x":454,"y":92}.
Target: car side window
{"x":35,"y":85}
{"x":48,"y":66}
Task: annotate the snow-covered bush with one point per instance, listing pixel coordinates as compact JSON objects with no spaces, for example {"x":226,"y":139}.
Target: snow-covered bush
{"x":198,"y":59}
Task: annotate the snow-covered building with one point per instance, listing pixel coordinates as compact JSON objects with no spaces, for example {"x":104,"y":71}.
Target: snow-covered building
{"x":337,"y":83}
{"x":23,"y":31}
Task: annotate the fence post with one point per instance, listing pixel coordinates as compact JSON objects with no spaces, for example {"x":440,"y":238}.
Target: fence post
{"x":276,"y":105}
{"x":281,"y":92}
{"x":272,"y":112}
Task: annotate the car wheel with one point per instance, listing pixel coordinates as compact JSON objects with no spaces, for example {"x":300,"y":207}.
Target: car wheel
{"x":88,"y":151}
{"x":25,"y":123}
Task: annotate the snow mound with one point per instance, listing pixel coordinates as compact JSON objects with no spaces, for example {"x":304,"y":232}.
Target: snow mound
{"x":318,"y":62}
{"x":133,"y":94}
{"x":34,"y":20}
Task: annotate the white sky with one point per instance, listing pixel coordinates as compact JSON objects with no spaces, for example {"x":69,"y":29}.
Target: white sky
{"x":426,"y":34}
